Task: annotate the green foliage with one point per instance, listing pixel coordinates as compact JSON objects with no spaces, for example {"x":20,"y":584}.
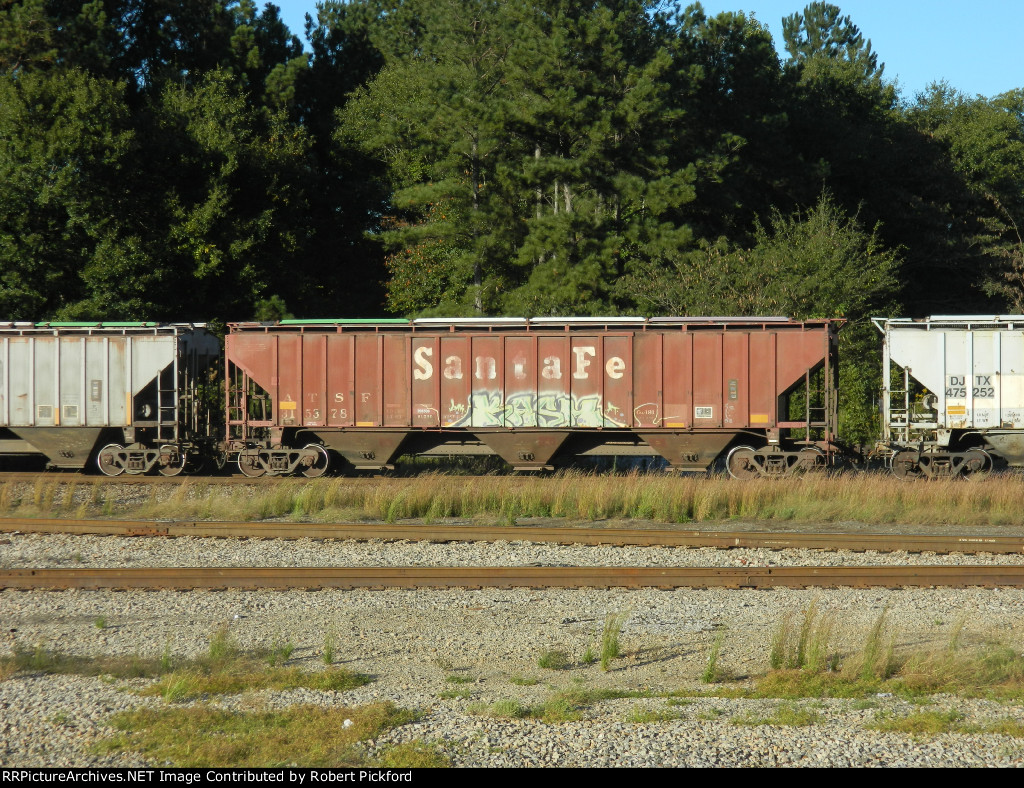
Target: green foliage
{"x":821,"y":31}
{"x":546,"y":164}
{"x":818,"y":263}
{"x":64,"y":146}
{"x":301,"y":735}
{"x":984,"y":142}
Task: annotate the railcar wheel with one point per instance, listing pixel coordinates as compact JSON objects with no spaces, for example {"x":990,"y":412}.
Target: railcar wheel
{"x":812,"y":459}
{"x":740,"y":463}
{"x":175,"y":461}
{"x":905,"y":466}
{"x":322,"y":463}
{"x":107,"y":460}
{"x":249,"y":463}
{"x":978,"y":464}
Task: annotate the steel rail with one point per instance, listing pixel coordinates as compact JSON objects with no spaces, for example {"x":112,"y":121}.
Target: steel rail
{"x":936,"y":543}
{"x":78,"y":478}
{"x":514,"y":577}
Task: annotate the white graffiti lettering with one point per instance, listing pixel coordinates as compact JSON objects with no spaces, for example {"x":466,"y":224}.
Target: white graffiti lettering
{"x":615,"y":367}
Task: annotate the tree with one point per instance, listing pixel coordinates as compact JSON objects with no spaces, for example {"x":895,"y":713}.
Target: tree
{"x":527,"y":148}
{"x":983,"y":139}
{"x":820,"y":31}
{"x":217,"y":208}
{"x":596,"y":125}
{"x":727,"y":83}
{"x":433,"y":116}
{"x":65,"y":141}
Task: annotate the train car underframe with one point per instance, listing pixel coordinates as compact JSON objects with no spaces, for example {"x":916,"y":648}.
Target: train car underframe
{"x":314,"y":452}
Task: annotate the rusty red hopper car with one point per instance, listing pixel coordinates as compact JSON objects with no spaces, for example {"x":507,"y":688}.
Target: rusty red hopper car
{"x":757,"y":394}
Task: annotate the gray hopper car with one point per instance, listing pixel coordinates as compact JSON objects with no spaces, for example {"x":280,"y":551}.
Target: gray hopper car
{"x":129,"y":397}
{"x":953,"y":394}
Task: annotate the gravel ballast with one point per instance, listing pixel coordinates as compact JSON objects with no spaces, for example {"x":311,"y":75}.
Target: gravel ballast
{"x":452,"y":653}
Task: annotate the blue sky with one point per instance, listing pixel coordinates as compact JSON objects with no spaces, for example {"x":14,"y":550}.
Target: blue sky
{"x":975,"y":46}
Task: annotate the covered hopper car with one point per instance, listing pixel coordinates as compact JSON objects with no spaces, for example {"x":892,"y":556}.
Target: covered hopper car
{"x":953,"y":394}
{"x":758,"y":394}
{"x":120,"y":396}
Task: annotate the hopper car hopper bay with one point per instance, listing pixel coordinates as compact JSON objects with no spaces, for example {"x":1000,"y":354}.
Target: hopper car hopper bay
{"x":755,"y":396}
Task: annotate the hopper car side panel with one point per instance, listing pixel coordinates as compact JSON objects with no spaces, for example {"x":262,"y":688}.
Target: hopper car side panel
{"x":67,"y":389}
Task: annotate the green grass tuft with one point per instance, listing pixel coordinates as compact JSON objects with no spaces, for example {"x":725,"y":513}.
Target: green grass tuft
{"x":302,"y":736}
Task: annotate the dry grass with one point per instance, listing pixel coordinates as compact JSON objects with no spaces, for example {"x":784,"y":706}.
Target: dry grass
{"x":432,"y":496}
{"x":805,"y":663}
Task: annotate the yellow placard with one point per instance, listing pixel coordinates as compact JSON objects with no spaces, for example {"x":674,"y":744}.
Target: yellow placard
{"x":674,"y":424}
{"x":365,"y":424}
{"x":758,"y":418}
{"x":956,"y":410}
{"x":287,"y":405}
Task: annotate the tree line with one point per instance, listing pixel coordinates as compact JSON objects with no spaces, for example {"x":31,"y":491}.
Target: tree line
{"x":191,"y":159}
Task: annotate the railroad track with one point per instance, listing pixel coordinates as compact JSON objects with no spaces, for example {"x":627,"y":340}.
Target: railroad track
{"x":74,"y":477}
{"x":936,"y":543}
{"x":512,"y":577}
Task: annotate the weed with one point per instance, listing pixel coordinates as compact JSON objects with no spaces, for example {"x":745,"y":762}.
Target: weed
{"x":330,"y":644}
{"x":523,"y":681}
{"x":784,"y":715}
{"x":806,"y":647}
{"x":554,"y":660}
{"x":610,"y":647}
{"x":710,"y":714}
{"x":589,"y":657}
{"x":246,"y":672}
{"x":178,"y":688}
{"x":711,"y":673}
{"x":876,"y":656}
{"x":166,"y":662}
{"x":459,"y":679}
{"x":927,"y":723}
{"x":222,"y":645}
{"x":503,"y":709}
{"x":280,"y":652}
{"x":414,"y":755}
{"x":100,"y":622}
